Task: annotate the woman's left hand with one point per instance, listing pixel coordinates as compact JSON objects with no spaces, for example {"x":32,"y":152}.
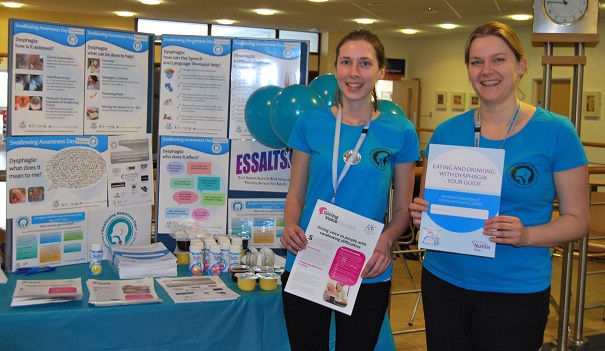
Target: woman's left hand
{"x":380,"y":260}
{"x":505,"y":230}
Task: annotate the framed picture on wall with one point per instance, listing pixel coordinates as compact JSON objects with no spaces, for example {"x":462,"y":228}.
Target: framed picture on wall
{"x":473,"y":100}
{"x":458,"y":101}
{"x":591,"y":105}
{"x":440,"y":99}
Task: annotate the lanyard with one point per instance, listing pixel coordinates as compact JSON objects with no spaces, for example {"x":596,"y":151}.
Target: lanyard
{"x":511,"y":124}
{"x":364,"y":132}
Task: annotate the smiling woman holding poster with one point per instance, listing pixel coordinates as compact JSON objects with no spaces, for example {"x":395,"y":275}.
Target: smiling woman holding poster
{"x":354,"y":148}
{"x":502,"y":303}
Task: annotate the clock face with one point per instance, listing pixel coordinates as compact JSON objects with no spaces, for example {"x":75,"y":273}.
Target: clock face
{"x":565,"y":12}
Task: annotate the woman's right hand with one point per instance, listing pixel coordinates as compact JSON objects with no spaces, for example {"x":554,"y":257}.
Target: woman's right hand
{"x":294,"y":239}
{"x":418,"y":206}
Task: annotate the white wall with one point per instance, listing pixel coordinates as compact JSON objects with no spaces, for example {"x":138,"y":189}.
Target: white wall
{"x":439,"y":64}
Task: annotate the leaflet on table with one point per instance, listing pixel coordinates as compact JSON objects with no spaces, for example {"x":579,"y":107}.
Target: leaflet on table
{"x":127,"y":227}
{"x":118,"y":82}
{"x":54,"y":239}
{"x":272,"y":62}
{"x":131,"y":171}
{"x":36,"y":292}
{"x":197,"y":289}
{"x":339,"y":245}
{"x":192,"y":182}
{"x":48,"y":79}
{"x":462,"y":186}
{"x":259,"y":219}
{"x":194,"y":86}
{"x":151,"y":260}
{"x":255,"y":167}
{"x":56,"y":173}
{"x":121,"y":292}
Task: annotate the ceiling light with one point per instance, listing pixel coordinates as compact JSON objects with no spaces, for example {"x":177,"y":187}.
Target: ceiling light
{"x":14,"y":5}
{"x":124,"y":13}
{"x":364,"y":21}
{"x":520,"y":17}
{"x":318,"y":0}
{"x":225,"y":21}
{"x":409,"y":31}
{"x":265,"y":12}
{"x":429,"y":10}
{"x":448,"y":26}
{"x":150,"y":2}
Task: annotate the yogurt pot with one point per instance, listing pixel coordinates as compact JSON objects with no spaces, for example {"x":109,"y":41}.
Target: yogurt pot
{"x":268,"y":281}
{"x":234,"y":269}
{"x":246,"y":281}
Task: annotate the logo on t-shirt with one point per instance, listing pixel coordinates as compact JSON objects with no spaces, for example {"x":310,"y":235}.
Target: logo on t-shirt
{"x":380,"y":157}
{"x":522,"y":174}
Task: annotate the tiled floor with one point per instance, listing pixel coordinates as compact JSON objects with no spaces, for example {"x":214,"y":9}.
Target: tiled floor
{"x":402,"y":305}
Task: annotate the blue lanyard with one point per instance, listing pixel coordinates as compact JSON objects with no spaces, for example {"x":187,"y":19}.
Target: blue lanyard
{"x":511,"y":125}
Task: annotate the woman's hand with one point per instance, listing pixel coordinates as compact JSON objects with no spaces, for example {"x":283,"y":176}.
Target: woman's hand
{"x":294,"y":239}
{"x":416,"y":208}
{"x":506,"y":230}
{"x":380,"y":260}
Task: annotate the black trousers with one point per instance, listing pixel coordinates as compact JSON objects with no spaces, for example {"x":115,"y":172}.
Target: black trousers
{"x":460,"y":319}
{"x":308,"y":323}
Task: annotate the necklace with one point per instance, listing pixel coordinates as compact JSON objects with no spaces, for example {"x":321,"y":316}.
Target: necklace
{"x":511,"y":125}
{"x":350,"y":156}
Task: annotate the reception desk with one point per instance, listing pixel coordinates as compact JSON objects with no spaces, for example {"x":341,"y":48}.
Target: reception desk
{"x":253,"y":322}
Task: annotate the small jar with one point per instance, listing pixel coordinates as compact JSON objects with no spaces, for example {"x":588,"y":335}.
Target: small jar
{"x":246,"y":281}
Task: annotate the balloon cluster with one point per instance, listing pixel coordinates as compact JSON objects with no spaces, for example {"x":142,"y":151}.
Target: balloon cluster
{"x":271,"y":111}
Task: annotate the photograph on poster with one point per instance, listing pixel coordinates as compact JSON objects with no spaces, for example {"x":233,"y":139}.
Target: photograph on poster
{"x":473,"y":100}
{"x":458,"y":100}
{"x":440,"y":99}
{"x":591,"y":107}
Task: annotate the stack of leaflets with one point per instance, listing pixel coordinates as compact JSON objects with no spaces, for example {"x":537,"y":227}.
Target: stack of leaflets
{"x":36,"y":292}
{"x":153,"y":260}
{"x":121,"y":292}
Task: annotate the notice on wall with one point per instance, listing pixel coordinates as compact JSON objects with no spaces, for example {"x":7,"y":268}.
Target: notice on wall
{"x":259,"y":220}
{"x":47,"y":79}
{"x":255,"y":64}
{"x":54,"y":239}
{"x":117,"y":81}
{"x":192,"y":182}
{"x":194,"y":86}
{"x":130,"y":171}
{"x":255,"y":167}
{"x":50,"y":174}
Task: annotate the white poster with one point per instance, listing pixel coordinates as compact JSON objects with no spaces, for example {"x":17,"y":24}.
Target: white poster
{"x":49,"y":174}
{"x":260,"y":220}
{"x":194,"y":86}
{"x":192,"y":182}
{"x":117,"y":82}
{"x":328,"y":271}
{"x":130,"y":171}
{"x":47,"y":79}
{"x":255,"y":167}
{"x":255,"y":64}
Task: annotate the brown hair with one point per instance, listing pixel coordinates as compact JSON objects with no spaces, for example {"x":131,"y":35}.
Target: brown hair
{"x":368,"y":36}
{"x":501,"y":31}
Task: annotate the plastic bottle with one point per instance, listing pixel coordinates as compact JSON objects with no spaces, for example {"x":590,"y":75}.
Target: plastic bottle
{"x":95,"y":256}
{"x":195,"y":260}
{"x":214,"y":267}
{"x":235,"y":255}
{"x":224,"y":263}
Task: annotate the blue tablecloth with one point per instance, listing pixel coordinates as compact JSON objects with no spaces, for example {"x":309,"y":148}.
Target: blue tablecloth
{"x":253,"y":322}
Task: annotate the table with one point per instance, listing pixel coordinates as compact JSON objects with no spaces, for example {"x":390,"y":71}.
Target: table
{"x":253,"y":322}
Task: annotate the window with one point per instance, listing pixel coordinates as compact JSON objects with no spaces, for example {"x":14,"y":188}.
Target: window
{"x":312,"y":37}
{"x":169,"y":27}
{"x":218,"y":30}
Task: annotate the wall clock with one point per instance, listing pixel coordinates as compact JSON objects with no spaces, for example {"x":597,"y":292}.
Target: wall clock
{"x":566,"y":16}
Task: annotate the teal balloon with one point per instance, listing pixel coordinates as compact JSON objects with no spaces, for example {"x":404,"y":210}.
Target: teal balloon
{"x":288,"y":104}
{"x":325,"y":85}
{"x":390,"y":107}
{"x":257,"y":114}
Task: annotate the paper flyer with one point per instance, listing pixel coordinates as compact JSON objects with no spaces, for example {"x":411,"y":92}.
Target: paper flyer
{"x":272,"y":62}
{"x":54,"y":239}
{"x":192,"y":182}
{"x":130,"y":171}
{"x":36,"y":292}
{"x":197,"y":289}
{"x":260,"y":220}
{"x":48,"y":79}
{"x":56,"y":173}
{"x":256,"y":167}
{"x":339,"y":245}
{"x":117,"y":82}
{"x":463,"y":187}
{"x":121,"y":292}
{"x":194,"y":86}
